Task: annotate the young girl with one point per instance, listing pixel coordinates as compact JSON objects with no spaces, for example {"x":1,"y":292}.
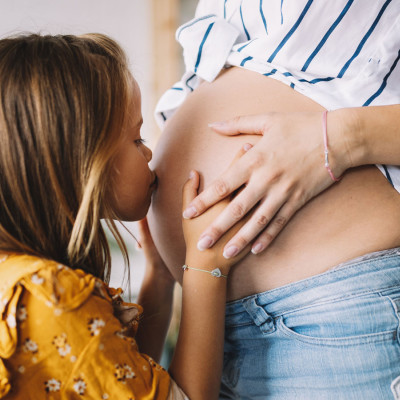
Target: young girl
{"x":71,"y":154}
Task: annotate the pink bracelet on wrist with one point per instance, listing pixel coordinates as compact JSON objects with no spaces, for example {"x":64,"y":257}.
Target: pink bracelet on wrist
{"x":326,"y":150}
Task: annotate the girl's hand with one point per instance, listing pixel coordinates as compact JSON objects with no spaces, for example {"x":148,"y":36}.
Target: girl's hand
{"x":156,"y":296}
{"x":282,"y":172}
{"x":154,"y":262}
{"x":192,"y":228}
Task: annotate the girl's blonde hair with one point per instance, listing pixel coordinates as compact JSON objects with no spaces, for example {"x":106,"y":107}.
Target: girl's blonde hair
{"x":63,"y":105}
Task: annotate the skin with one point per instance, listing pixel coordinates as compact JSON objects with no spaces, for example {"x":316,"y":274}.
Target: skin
{"x":192,"y":365}
{"x":357,"y":137}
{"x":133,"y":181}
{"x":329,"y":228}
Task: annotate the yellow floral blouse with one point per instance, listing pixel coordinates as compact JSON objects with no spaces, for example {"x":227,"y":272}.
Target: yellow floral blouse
{"x":61,"y":337}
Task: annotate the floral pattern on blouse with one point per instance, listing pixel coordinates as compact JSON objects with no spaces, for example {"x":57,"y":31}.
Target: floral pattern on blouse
{"x":66,"y":321}
{"x":21,"y":313}
{"x":79,"y":386}
{"x":95,"y":325}
{"x":30,"y":346}
{"x":52,"y":385}
{"x":61,"y":344}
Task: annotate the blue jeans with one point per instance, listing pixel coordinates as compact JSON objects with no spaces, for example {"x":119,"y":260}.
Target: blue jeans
{"x":333,"y":336}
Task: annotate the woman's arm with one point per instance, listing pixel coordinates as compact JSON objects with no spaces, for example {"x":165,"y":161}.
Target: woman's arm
{"x":373,"y":134}
{"x":285,"y":169}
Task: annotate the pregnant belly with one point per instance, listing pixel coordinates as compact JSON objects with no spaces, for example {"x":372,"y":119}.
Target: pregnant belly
{"x":358,"y":215}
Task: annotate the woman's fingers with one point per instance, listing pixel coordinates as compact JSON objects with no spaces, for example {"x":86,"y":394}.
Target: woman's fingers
{"x":232,"y":214}
{"x":274,"y":228}
{"x":284,"y":169}
{"x":274,"y":209}
{"x":234,"y":177}
{"x":269,"y":219}
{"x":243,"y":150}
{"x":249,"y":124}
{"x":190,"y":189}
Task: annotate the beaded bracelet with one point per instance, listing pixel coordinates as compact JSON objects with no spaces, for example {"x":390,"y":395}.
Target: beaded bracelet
{"x":215,"y":272}
{"x":326,"y":151}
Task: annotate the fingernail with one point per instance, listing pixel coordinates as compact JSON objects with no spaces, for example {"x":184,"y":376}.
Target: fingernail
{"x":247,"y":147}
{"x":205,"y":242}
{"x":218,"y":124}
{"x":190,"y":212}
{"x":230,"y":252}
{"x":191,"y":174}
{"x":258,"y":248}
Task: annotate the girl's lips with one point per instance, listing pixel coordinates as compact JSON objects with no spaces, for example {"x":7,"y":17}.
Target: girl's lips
{"x":155,"y":180}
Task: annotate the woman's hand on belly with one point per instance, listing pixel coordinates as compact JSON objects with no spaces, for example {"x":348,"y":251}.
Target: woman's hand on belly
{"x":282,"y":172}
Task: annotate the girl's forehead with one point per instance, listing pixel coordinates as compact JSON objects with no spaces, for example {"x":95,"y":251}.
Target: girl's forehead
{"x":136,"y":94}
{"x":134,"y":108}
{"x":135,"y":88}
{"x":135,"y":85}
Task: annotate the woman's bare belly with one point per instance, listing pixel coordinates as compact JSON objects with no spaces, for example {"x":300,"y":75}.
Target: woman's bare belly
{"x":358,"y":215}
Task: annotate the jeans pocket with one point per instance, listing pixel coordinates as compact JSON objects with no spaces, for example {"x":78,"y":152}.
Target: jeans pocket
{"x":395,"y":387}
{"x":231,"y":369}
{"x":345,"y":321}
{"x":393,"y":296}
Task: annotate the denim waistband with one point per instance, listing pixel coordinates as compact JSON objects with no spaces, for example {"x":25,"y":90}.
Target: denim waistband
{"x":372,"y":272}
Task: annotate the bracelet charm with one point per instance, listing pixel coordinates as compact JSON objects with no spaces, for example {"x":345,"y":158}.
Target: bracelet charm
{"x":215,"y":272}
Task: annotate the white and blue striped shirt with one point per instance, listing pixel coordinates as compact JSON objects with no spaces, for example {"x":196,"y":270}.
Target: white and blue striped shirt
{"x":342,"y":53}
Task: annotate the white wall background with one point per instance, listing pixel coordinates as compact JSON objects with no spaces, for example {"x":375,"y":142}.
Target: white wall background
{"x":126,"y":21}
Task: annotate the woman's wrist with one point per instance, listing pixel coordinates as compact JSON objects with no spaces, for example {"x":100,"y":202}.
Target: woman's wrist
{"x":345,"y":132}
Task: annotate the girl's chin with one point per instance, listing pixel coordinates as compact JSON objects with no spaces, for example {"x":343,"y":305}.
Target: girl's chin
{"x":138,"y":212}
{"x":142,"y":213}
{"x":135,"y":215}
